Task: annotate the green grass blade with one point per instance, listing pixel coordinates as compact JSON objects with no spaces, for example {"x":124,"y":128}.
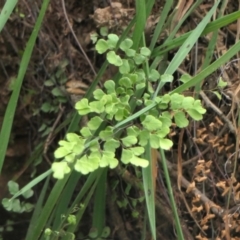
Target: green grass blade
{"x":187,"y":45}
{"x":166,"y":47}
{"x":174,"y":31}
{"x":11,"y":108}
{"x":38,"y":228}
{"x":38,"y":208}
{"x":149,"y":192}
{"x":99,"y":209}
{"x":33,"y":183}
{"x":210,"y":49}
{"x":171,"y":197}
{"x":160,"y":24}
{"x":65,"y":200}
{"x":88,"y":188}
{"x":210,"y":69}
{"x":191,"y":40}
{"x":195,"y":80}
{"x":6,"y":12}
{"x":140,"y":20}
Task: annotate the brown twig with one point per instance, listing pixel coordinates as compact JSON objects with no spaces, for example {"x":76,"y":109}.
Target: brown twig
{"x":49,"y":138}
{"x":217,"y":111}
{"x":75,"y":37}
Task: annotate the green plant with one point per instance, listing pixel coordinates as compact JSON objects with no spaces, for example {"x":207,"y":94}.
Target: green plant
{"x":15,"y":204}
{"x":111,"y":106}
{"x":61,"y":196}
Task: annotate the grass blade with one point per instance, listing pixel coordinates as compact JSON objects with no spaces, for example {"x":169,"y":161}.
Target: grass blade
{"x":100,"y":203}
{"x":6,"y":12}
{"x":11,"y":107}
{"x":158,"y":29}
{"x":209,"y":28}
{"x":187,"y":46}
{"x":149,"y":192}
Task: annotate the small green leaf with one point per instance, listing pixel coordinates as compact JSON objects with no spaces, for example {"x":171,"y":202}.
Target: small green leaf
{"x":139,"y":59}
{"x":180,"y":119}
{"x":143,"y":137}
{"x":27,"y":207}
{"x":101,"y":46}
{"x":57,"y":92}
{"x":221,"y":83}
{"x":165,"y":143}
{"x":94,"y":145}
{"x":219,"y":96}
{"x":154,"y":75}
{"x":139,"y":162}
{"x":107,"y":99}
{"x":112,"y":40}
{"x":194,"y":114}
{"x":66,"y":144}
{"x":151,"y":123}
{"x":96,"y":106}
{"x":188,"y":102}
{"x":125,"y":82}
{"x":46,"y":107}
{"x":119,"y":115}
{"x":27,"y":194}
{"x":49,"y":83}
{"x":129,"y":141}
{"x":126,"y":44}
{"x":72,"y":220}
{"x":111,"y":145}
{"x":145,"y":51}
{"x":7,"y":204}
{"x":176,"y":101}
{"x":93,"y":233}
{"x":130,"y":52}
{"x":61,"y":152}
{"x":166,"y":119}
{"x":198,"y":107}
{"x":185,"y":78}
{"x":94,"y":37}
{"x":104,"y":31}
{"x":114,"y":59}
{"x":106,"y":134}
{"x":133,"y":131}
{"x":166,"y":78}
{"x":94,"y":123}
{"x":13,"y":187}
{"x":110,"y":86}
{"x":106,"y":232}
{"x":73,"y":137}
{"x":137,"y":150}
{"x":98,"y":94}
{"x":126,"y":156}
{"x":108,"y":159}
{"x":163,"y":131}
{"x":70,"y":157}
{"x":125,"y":67}
{"x":166,"y":98}
{"x":86,"y":164}
{"x":154,"y":141}
{"x":60,"y":169}
{"x":42,"y":127}
{"x":86,"y":132}
{"x":16,"y":206}
{"x":82,"y":107}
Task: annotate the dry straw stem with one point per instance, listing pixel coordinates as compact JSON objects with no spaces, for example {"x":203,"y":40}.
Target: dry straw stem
{"x":217,"y":210}
{"x":218,"y":111}
{"x":76,"y":39}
